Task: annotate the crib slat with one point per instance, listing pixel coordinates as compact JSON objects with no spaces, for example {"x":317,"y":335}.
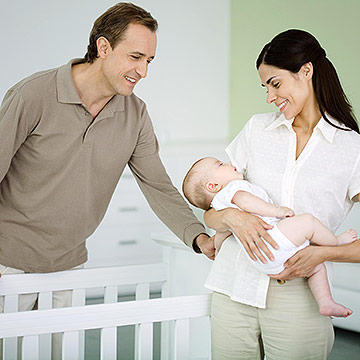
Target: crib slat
{"x":110,"y":294}
{"x":145,"y":342}
{"x":30,"y":347}
{"x":78,"y":299}
{"x":142,"y":292}
{"x":11,"y":304}
{"x":45,"y":303}
{"x":108,"y":335}
{"x":70,"y":345}
{"x":181,"y":346}
{"x":108,"y":343}
{"x":10,"y":348}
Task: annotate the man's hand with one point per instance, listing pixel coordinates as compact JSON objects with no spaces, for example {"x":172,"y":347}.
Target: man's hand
{"x":251,"y":231}
{"x":206,"y":245}
{"x":301,"y":264}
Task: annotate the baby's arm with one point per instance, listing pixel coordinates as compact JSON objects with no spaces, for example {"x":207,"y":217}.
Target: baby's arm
{"x":253,"y":204}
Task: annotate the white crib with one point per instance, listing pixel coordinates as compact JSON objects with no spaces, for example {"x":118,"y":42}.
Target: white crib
{"x":36,"y":327}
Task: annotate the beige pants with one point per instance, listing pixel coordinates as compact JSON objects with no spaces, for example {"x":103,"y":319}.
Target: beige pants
{"x":290,"y":328}
{"x":28,"y":302}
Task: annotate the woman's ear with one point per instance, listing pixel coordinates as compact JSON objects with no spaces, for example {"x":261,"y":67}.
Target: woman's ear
{"x":307,"y":70}
{"x":212,"y":187}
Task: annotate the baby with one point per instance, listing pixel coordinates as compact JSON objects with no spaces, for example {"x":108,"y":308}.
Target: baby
{"x":212,"y":183}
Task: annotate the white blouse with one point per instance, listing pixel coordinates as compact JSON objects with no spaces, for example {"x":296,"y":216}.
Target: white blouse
{"x":322,"y":181}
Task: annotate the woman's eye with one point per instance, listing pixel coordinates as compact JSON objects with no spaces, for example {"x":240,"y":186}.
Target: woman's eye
{"x":135,"y":57}
{"x":276,"y":85}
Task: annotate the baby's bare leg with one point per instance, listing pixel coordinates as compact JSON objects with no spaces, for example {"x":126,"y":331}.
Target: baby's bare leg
{"x":307,"y":227}
{"x":319,"y":287}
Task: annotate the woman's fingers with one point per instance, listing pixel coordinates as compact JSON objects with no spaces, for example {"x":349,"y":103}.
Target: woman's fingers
{"x":249,"y":250}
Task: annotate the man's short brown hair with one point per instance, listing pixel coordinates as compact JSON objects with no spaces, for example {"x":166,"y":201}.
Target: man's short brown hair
{"x":113,"y":23}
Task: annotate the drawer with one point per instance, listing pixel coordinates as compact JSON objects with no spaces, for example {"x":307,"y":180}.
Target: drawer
{"x":116,"y":245}
{"x":119,"y":213}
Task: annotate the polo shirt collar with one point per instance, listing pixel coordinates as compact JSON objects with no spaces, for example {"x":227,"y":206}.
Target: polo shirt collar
{"x":66,"y":90}
{"x":67,"y":93}
{"x":327,"y":130}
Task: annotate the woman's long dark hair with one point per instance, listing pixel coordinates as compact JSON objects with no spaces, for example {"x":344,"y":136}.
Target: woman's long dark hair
{"x":290,"y":50}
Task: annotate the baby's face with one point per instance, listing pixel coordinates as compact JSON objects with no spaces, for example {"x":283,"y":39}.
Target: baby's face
{"x":220,"y":172}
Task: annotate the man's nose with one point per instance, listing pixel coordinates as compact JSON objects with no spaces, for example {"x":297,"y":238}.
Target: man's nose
{"x":142,"y":69}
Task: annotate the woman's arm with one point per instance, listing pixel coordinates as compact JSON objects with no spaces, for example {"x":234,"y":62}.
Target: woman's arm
{"x":249,"y":229}
{"x":304,"y":261}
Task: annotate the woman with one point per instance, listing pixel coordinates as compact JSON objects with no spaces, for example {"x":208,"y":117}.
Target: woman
{"x":306,"y":156}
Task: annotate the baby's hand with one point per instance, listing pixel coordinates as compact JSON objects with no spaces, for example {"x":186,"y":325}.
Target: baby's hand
{"x":283,"y":211}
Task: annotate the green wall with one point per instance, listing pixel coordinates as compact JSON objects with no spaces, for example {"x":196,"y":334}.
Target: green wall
{"x":336,"y":24}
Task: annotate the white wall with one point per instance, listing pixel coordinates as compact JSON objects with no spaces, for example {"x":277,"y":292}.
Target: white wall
{"x":187,"y":89}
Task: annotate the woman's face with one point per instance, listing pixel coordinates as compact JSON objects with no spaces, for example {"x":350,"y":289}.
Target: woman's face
{"x":291,"y":93}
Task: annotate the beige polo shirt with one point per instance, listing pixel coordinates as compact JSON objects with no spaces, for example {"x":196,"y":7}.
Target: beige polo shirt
{"x":59,"y":168}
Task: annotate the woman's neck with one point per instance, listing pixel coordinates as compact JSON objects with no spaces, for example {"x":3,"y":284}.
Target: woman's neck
{"x":308,"y":118}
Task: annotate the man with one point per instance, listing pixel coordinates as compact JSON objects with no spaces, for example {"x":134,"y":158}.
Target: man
{"x":66,"y":135}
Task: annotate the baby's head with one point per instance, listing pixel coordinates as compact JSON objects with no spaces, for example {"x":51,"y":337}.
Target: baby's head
{"x":205,"y":178}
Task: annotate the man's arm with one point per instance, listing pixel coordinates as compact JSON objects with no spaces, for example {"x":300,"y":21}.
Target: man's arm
{"x":249,"y":229}
{"x":162,"y":196}
{"x":255,"y":205}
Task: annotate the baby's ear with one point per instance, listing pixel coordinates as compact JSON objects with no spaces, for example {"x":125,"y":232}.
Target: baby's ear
{"x":212,"y":187}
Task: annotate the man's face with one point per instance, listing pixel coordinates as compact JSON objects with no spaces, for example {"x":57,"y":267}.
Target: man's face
{"x":128,"y":62}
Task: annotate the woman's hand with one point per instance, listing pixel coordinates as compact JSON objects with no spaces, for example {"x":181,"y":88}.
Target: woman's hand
{"x":302,"y":263}
{"x":250,"y":230}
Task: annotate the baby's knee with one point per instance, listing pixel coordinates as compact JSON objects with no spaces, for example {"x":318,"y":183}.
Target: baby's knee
{"x":308,"y":218}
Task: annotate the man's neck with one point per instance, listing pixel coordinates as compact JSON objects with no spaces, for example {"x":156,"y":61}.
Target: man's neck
{"x":90,"y":86}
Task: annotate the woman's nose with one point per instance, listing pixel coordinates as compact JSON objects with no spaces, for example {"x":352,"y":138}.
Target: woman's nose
{"x":270,"y":98}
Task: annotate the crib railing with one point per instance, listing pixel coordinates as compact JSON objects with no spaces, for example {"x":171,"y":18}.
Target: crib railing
{"x":110,"y":279}
{"x":36,"y":327}
{"x":106,"y":317}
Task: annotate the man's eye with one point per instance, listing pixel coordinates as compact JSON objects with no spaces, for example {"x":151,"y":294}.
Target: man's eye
{"x":135,"y":57}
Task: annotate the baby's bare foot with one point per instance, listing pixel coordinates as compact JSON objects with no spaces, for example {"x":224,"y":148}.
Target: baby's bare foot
{"x":347,"y":237}
{"x":334,"y":309}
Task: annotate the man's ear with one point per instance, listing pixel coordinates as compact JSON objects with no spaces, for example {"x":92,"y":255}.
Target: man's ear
{"x":212,"y":187}
{"x":103,"y":47}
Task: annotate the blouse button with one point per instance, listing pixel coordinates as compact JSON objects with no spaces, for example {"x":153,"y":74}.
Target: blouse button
{"x":281,"y":282}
